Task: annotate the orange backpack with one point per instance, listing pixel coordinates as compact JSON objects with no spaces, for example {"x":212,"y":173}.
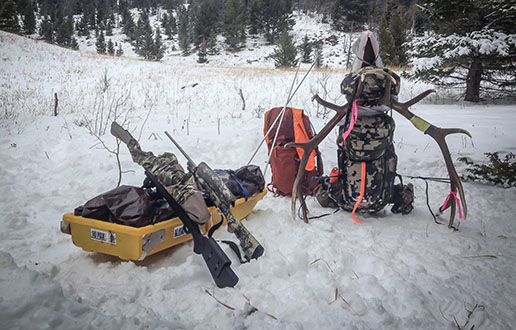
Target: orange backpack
{"x":284,"y":162}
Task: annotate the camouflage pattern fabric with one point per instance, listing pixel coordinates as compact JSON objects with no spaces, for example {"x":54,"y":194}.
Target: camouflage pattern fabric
{"x":369,"y":141}
{"x":374,"y":84}
{"x":180,"y":185}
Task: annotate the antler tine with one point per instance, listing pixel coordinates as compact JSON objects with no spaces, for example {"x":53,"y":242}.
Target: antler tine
{"x":439,"y":135}
{"x":418,"y":98}
{"x":309,"y":146}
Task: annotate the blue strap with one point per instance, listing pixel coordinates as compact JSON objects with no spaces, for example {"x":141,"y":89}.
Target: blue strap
{"x":238,"y":181}
{"x":241,"y":186}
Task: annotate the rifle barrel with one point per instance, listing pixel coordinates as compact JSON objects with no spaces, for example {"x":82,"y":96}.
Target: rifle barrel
{"x":190,"y":161}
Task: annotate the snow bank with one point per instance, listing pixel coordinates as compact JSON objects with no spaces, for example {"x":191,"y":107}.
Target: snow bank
{"x":393,"y":272}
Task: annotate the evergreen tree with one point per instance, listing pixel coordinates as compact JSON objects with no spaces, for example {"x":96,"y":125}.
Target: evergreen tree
{"x":349,"y":14}
{"x":387,"y":47}
{"x":205,"y":17}
{"x":119,"y":50}
{"x":276,"y":17}
{"x":110,"y":48}
{"x":82,"y":27}
{"x":182,"y":31}
{"x":398,"y":30}
{"x":285,"y":54}
{"x":212,"y":45}
{"x":143,"y":32}
{"x":306,"y":50}
{"x":234,"y":24}
{"x":9,"y":17}
{"x":202,"y":52}
{"x":473,"y":45}
{"x":157,"y":48}
{"x":109,"y":27}
{"x":255,"y":16}
{"x":64,"y":33}
{"x":318,"y":54}
{"x":74,"y":44}
{"x":129,"y":27}
{"x":46,"y":30}
{"x":147,"y":46}
{"x":168,"y":22}
{"x":29,"y":19}
{"x":101,"y":43}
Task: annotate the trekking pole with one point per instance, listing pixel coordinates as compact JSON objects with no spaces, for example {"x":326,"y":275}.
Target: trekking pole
{"x":282,"y":114}
{"x":282,"y":111}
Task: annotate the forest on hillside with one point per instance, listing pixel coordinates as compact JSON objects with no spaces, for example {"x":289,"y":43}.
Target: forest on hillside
{"x":468,"y":42}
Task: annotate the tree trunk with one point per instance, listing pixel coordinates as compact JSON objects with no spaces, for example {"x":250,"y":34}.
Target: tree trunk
{"x":473,"y":81}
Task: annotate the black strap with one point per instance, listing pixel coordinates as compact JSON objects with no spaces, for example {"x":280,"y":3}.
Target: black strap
{"x":216,"y":226}
{"x":235,"y":249}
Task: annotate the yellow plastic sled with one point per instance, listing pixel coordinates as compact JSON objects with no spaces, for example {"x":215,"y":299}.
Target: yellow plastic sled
{"x":131,"y":243}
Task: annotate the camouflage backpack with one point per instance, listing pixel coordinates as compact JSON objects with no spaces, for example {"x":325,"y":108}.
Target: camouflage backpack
{"x":364,"y":180}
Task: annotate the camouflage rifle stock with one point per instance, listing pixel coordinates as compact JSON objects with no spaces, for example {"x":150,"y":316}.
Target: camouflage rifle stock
{"x":222,"y":197}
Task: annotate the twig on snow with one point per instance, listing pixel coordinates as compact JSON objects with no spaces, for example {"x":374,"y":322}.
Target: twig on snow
{"x":220,"y":302}
{"x":249,"y":302}
{"x":320,"y":259}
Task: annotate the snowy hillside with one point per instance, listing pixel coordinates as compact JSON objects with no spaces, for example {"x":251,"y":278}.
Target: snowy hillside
{"x":392,"y":272}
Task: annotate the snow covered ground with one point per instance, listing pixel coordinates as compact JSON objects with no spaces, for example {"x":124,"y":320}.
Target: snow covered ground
{"x":392,"y":272}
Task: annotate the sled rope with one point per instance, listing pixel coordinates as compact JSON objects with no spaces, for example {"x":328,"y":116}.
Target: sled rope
{"x":362,"y":190}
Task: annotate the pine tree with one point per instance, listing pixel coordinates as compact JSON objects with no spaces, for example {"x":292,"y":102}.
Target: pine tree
{"x":276,"y":17}
{"x":212,"y":45}
{"x":109,"y":28}
{"x":349,"y":14}
{"x":234,"y":24}
{"x":9,"y":17}
{"x":29,"y":19}
{"x":101,"y":43}
{"x":74,"y":44}
{"x":110,"y":48}
{"x":143,"y":32}
{"x":64,"y":33}
{"x":46,"y":30}
{"x":157,"y":48}
{"x":306,"y":50}
{"x":201,"y":53}
{"x":255,"y":16}
{"x":318,"y":53}
{"x":398,"y":30}
{"x":285,"y":54}
{"x":183,"y":24}
{"x":82,"y":27}
{"x":205,"y":17}
{"x":387,"y":48}
{"x":472,"y":46}
{"x":119,"y":50}
{"x":129,"y":27}
{"x":147,"y":46}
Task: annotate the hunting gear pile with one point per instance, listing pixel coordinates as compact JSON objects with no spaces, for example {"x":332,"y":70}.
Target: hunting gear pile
{"x":374,"y":90}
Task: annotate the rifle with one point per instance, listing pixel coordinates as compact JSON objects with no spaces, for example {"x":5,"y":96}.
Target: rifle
{"x":217,"y":261}
{"x":222,"y":197}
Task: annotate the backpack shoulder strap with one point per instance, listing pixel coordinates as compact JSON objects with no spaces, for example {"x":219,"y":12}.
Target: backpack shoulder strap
{"x":301,"y":135}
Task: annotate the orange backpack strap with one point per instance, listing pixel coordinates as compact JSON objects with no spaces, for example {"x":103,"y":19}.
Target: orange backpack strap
{"x":301,"y":135}
{"x":362,"y":190}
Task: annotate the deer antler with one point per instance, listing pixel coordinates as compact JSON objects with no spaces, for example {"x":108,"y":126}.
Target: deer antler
{"x":438,"y":134}
{"x":309,"y":146}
